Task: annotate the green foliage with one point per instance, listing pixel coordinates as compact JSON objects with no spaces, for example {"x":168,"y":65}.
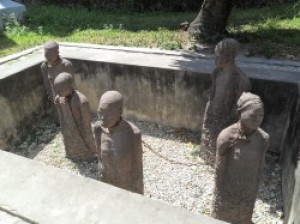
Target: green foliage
{"x":278,"y":24}
{"x":153,"y":5}
{"x":271,"y":28}
{"x":266,"y":28}
{"x":132,"y":5}
{"x":42,"y":23}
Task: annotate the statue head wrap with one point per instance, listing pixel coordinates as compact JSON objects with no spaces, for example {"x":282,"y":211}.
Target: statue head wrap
{"x":247,"y":101}
{"x":51,"y":45}
{"x":230,"y":47}
{"x":113,"y":98}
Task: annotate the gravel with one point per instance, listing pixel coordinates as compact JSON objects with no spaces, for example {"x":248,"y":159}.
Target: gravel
{"x":176,"y":171}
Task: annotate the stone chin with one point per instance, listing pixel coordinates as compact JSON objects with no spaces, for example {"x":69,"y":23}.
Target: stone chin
{"x":104,"y":124}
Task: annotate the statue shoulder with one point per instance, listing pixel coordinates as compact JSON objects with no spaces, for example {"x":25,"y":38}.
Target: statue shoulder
{"x":129,"y":128}
{"x":44,"y":65}
{"x":227,"y":136}
{"x":265,"y":136}
{"x":135,"y":129}
{"x":67,"y":64}
{"x":78,"y":97}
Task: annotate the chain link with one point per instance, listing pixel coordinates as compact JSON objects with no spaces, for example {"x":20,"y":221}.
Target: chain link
{"x":167,"y":159}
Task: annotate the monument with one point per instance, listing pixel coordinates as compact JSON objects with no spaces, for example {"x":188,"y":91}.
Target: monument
{"x":228,"y":83}
{"x":53,"y":66}
{"x":241,"y":150}
{"x":119,"y":145}
{"x":74,"y":116}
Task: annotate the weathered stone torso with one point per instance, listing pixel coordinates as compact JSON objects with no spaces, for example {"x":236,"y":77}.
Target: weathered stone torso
{"x":238,"y":171}
{"x":51,"y":72}
{"x":228,"y":88}
{"x":121,"y":157}
{"x":220,"y":110}
{"x":75,"y":122}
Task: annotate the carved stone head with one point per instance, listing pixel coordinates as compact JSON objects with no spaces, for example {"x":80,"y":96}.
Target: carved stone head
{"x":226,"y":51}
{"x":51,"y":51}
{"x":64,"y":84}
{"x":251,"y":110}
{"x":110,"y":109}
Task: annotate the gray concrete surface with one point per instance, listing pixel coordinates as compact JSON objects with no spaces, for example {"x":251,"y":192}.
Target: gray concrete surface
{"x":41,"y":194}
{"x":255,"y":67}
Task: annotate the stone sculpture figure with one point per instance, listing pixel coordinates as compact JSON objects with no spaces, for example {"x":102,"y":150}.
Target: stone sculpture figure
{"x":228,"y":83}
{"x":240,"y":158}
{"x":53,"y":66}
{"x":119,"y":145}
{"x":74,"y":116}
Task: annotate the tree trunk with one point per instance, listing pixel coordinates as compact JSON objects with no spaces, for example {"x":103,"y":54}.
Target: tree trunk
{"x":211,"y":22}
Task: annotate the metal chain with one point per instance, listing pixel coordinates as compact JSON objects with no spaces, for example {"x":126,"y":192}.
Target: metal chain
{"x":167,"y":159}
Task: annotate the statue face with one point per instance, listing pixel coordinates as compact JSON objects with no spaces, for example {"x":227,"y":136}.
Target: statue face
{"x":63,"y":90}
{"x":252,"y":117}
{"x":51,"y":55}
{"x":108,"y":114}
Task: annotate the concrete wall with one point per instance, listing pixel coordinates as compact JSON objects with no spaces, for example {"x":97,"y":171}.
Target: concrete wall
{"x":169,"y":97}
{"x":291,"y":165}
{"x":22,"y":103}
{"x":174,"y":97}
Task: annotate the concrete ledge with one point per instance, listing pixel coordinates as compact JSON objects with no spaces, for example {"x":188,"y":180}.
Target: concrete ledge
{"x":41,"y":194}
{"x":254,"y":67}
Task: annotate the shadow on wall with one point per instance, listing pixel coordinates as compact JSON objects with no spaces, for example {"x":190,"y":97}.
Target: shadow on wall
{"x":290,"y":160}
{"x":23,"y":104}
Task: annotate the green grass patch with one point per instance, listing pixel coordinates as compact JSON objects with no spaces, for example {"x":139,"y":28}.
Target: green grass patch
{"x":99,"y":27}
{"x":265,"y":28}
{"x":274,"y":30}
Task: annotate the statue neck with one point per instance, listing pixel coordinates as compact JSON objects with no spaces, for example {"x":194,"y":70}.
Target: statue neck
{"x":245,"y":130}
{"x":54,"y":63}
{"x":113,"y":128}
{"x":230,"y":68}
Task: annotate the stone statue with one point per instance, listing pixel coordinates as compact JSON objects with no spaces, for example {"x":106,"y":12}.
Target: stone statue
{"x":53,"y":66}
{"x":74,"y":116}
{"x":119,"y":145}
{"x":228,"y":83}
{"x":240,"y":158}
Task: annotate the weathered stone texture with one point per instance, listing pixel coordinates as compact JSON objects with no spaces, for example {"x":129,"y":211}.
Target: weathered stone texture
{"x":228,"y":83}
{"x":22,"y":104}
{"x":74,"y":116}
{"x":290,"y":163}
{"x":119,"y":145}
{"x":238,"y":174}
{"x":240,"y":159}
{"x":176,"y":96}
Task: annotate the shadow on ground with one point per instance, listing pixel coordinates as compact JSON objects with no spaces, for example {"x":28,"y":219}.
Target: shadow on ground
{"x":6,"y":42}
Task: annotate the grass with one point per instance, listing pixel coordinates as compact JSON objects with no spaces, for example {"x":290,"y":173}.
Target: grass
{"x":264,"y":28}
{"x":99,"y":27}
{"x":270,"y":31}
